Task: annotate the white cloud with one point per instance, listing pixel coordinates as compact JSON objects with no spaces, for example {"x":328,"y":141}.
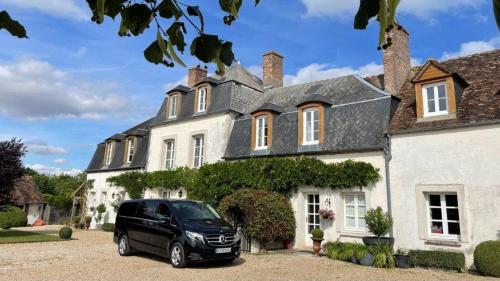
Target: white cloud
{"x":171,"y":85}
{"x":60,"y":161}
{"x":58,"y":8}
{"x":54,"y":170}
{"x":473,"y":47}
{"x":255,"y":70}
{"x":314,"y":72}
{"x":41,"y":147}
{"x":424,"y":9}
{"x":34,"y":90}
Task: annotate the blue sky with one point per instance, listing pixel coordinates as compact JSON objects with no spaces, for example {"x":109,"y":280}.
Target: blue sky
{"x":74,"y":83}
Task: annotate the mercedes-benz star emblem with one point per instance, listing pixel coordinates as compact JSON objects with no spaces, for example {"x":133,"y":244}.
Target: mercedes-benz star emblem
{"x":222,"y":239}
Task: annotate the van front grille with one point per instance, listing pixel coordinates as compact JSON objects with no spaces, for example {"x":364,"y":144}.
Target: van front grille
{"x":220,"y":240}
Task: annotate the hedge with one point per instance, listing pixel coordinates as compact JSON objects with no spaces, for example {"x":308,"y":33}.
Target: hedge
{"x":437,"y":259}
{"x":487,"y":258}
{"x":264,"y":216}
{"x":108,"y":227}
{"x":13,"y":217}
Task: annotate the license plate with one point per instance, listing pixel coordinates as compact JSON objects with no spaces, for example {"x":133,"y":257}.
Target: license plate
{"x":222,"y":250}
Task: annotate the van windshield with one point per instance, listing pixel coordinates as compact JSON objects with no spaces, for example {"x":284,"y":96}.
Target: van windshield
{"x":189,"y":210}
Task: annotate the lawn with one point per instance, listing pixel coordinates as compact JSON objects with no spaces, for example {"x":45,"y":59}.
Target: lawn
{"x":16,"y":236}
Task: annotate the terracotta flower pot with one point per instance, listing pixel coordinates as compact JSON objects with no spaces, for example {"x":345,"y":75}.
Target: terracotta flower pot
{"x":316,"y":245}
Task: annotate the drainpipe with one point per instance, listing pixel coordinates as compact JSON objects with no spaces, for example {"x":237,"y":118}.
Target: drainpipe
{"x":387,"y":158}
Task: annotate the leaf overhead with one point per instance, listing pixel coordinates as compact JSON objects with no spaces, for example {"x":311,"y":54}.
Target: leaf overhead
{"x":496,"y":11}
{"x":168,"y":9}
{"x":153,"y":53}
{"x":12,"y":26}
{"x":137,"y":18}
{"x":226,"y":53}
{"x":367,"y":10}
{"x":205,"y":47}
{"x":176,"y":35}
{"x":195,"y":11}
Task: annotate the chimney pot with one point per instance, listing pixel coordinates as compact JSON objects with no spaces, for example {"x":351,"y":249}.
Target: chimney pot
{"x":273,"y":69}
{"x":396,"y":59}
{"x":195,"y":75}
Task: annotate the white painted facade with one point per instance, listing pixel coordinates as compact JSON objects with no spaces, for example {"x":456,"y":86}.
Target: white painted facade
{"x":102,"y":193}
{"x":465,"y":162}
{"x":375,"y":195}
{"x":33,"y":212}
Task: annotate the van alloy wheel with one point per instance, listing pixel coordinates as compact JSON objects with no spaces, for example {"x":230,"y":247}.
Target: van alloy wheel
{"x":123,"y":246}
{"x":177,"y":256}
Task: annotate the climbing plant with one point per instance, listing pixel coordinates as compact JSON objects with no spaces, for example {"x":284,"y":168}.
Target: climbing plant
{"x":212,"y":182}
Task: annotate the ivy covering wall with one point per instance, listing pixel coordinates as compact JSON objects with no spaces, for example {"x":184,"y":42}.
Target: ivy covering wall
{"x":212,"y":182}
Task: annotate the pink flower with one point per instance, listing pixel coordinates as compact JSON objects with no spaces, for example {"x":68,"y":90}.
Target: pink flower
{"x":327,"y":214}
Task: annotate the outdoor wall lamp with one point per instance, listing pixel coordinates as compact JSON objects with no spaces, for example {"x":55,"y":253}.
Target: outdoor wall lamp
{"x":180,"y":193}
{"x":328,"y":203}
{"x":113,"y":195}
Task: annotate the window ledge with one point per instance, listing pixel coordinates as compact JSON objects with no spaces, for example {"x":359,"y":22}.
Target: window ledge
{"x":443,"y":242}
{"x":260,"y":151}
{"x":437,"y":117}
{"x":309,"y":147}
{"x":353,"y":233}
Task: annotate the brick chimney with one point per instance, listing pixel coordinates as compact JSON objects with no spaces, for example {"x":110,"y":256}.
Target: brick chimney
{"x":396,"y":59}
{"x":273,"y":70}
{"x":196,"y":74}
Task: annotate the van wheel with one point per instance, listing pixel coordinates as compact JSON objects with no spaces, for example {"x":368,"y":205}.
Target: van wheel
{"x":123,"y":246}
{"x":177,"y":258}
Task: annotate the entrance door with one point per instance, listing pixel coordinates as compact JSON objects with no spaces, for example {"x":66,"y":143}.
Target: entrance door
{"x":312,"y":215}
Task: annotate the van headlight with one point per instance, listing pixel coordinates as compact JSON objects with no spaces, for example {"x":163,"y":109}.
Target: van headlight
{"x":194,"y":236}
{"x":237,"y":236}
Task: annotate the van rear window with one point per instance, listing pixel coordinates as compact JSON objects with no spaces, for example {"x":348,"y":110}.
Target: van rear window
{"x":128,"y":209}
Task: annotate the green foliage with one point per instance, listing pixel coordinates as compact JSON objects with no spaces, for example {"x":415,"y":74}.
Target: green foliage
{"x":385,"y":10}
{"x":109,"y":227}
{"x":133,"y":182}
{"x":12,"y":26}
{"x":264,"y":216}
{"x":378,"y":221}
{"x":65,"y":232}
{"x":317,"y":233}
{"x":5,"y":225}
{"x":11,"y":167}
{"x":383,"y":255}
{"x":88,"y":219}
{"x":170,"y":179}
{"x":487,"y":258}
{"x":345,"y":251}
{"x":437,"y":259}
{"x":13,"y":217}
{"x":120,"y":197}
{"x":101,"y":209}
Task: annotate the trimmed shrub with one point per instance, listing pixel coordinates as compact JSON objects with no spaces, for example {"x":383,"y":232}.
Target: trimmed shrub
{"x":108,"y":227}
{"x":437,"y":259}
{"x":487,"y":258}
{"x":5,"y":225}
{"x":263,"y":215}
{"x":65,"y":232}
{"x":317,"y":233}
{"x":13,"y":216}
{"x":378,"y":221}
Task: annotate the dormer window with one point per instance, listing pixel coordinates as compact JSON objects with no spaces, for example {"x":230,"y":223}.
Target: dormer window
{"x":310,"y":123}
{"x":262,"y":128}
{"x":108,"y":155}
{"x":172,"y":106}
{"x":129,"y":150}
{"x":202,"y":100}
{"x":435,"y":100}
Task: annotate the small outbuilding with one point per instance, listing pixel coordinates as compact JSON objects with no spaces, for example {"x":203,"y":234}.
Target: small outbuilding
{"x":28,"y":197}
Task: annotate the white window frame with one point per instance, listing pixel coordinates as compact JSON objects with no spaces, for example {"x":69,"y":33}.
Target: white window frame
{"x":130,"y":149}
{"x":436,"y":99}
{"x":109,"y":151}
{"x":198,"y":158}
{"x":167,"y":192}
{"x":172,"y":106}
{"x":357,"y":216}
{"x":202,"y":100}
{"x":169,"y":154}
{"x":261,"y":132}
{"x":444,"y":216}
{"x":104,"y":196}
{"x":314,"y":125}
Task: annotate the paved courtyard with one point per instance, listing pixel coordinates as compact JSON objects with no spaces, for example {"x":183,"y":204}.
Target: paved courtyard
{"x":93,"y":256}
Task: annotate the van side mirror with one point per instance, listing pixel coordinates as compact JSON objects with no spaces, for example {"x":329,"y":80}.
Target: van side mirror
{"x":164,"y":219}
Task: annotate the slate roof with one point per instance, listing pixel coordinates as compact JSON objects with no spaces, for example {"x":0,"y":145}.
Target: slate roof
{"x":480,"y":100}
{"x":26,"y":192}
{"x":141,"y":132}
{"x":235,"y":91}
{"x":356,"y":120}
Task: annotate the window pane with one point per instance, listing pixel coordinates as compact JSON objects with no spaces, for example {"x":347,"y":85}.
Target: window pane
{"x":310,"y":228}
{"x":349,"y":199}
{"x":441,"y":91}
{"x":315,"y":115}
{"x":451,"y":200}
{"x":311,"y":218}
{"x":311,"y":209}
{"x":361,"y":222}
{"x":316,"y":207}
{"x":436,"y":214}
{"x":431,"y":106}
{"x":452,"y":214}
{"x":147,"y":210}
{"x":437,"y":227}
{"x":430,"y":93}
{"x":350,"y":222}
{"x":361,"y":200}
{"x":316,"y":134}
{"x":442,"y":104}
{"x":361,"y":211}
{"x":435,"y":200}
{"x":349,"y":210}
{"x":454,"y":228}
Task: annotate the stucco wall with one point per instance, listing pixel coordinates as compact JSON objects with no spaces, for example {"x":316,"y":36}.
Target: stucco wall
{"x":464,"y":160}
{"x":375,"y":195}
{"x":95,"y":195}
{"x":216,"y":131}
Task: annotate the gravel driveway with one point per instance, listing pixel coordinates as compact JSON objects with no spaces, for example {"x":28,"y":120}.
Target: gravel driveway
{"x":93,"y":256}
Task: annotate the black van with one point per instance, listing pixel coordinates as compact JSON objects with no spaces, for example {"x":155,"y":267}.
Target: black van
{"x":181,"y":230}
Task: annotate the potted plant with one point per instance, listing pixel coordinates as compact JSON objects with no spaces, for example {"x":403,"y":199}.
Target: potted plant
{"x":383,"y":255}
{"x":317,"y":237}
{"x":88,"y":220}
{"x":379,"y":223}
{"x":76,"y":222}
{"x":101,"y":209}
{"x":362,"y":255}
{"x":327,"y":214}
{"x":402,"y":258}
